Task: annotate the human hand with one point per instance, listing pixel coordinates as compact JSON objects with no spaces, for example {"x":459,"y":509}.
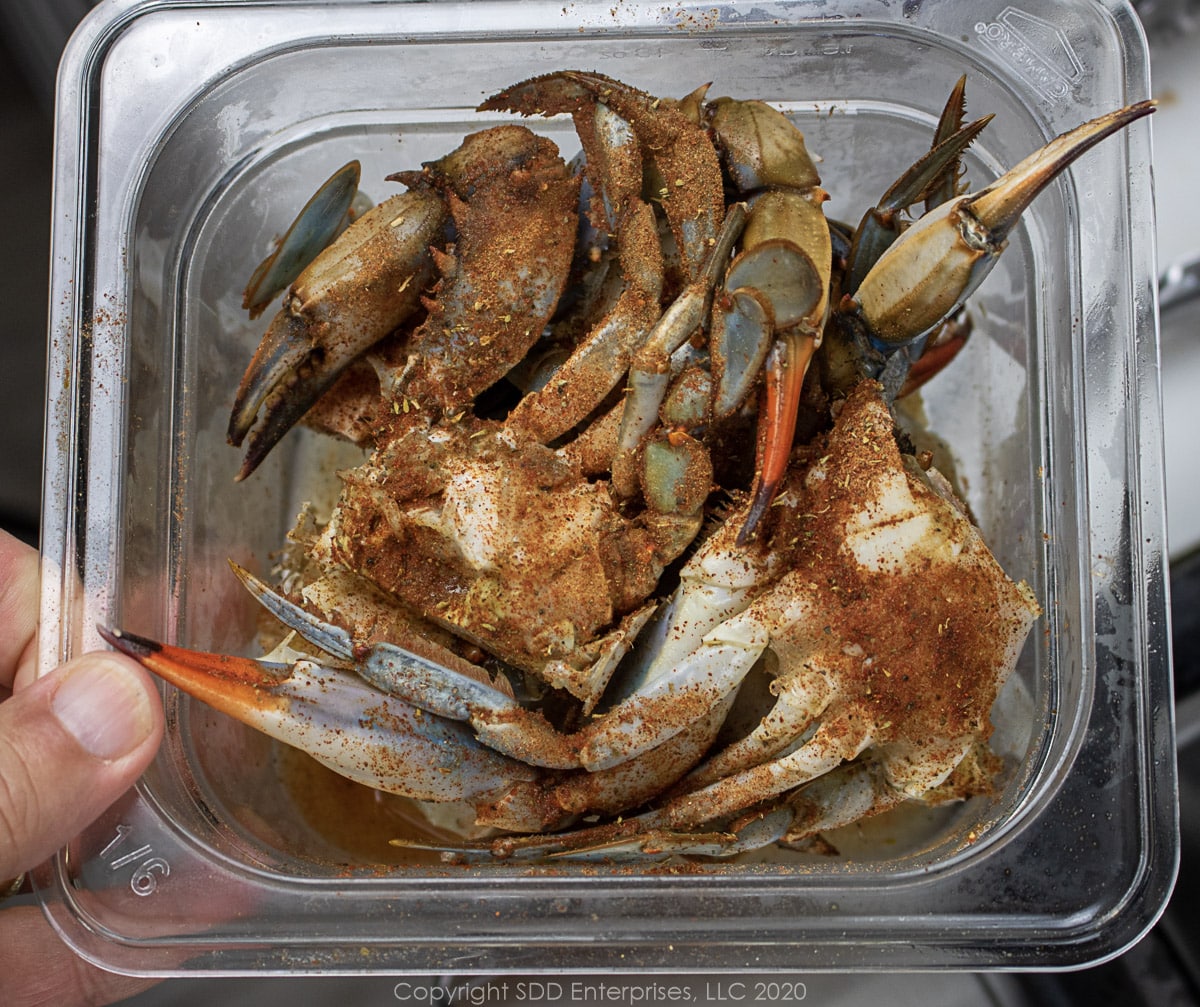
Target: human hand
{"x":70,"y":744}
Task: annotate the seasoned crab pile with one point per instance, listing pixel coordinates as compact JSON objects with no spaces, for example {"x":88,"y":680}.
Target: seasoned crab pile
{"x":637,"y":563}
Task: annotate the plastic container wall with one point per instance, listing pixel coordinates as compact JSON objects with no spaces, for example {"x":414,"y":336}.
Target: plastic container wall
{"x":188,"y":135}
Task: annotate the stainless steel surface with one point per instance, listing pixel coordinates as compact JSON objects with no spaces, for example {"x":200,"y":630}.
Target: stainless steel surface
{"x":1175,"y":68}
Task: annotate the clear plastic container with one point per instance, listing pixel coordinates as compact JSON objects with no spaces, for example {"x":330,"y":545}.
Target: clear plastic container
{"x":188,"y":133}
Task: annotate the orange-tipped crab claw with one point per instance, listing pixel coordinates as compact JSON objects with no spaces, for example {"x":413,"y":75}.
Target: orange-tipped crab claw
{"x":787,"y":366}
{"x":359,"y":732}
{"x":796,"y":224}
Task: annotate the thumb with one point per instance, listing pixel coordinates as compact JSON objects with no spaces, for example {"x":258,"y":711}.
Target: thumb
{"x":70,"y":745}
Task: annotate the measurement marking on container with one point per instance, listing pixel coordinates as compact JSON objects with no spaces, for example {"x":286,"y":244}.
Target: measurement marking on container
{"x":150,"y":869}
{"x":122,"y":832}
{"x":129,"y":858}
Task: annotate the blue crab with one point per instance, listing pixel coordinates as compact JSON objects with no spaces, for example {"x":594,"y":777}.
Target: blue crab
{"x":488,"y":613}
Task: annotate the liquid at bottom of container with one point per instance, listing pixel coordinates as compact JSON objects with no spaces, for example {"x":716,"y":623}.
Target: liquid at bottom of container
{"x":336,"y":825}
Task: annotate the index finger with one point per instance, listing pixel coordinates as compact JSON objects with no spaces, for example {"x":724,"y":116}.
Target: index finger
{"x":18,"y":606}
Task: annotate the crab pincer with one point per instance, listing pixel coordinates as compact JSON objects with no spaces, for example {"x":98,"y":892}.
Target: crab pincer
{"x":739,"y":340}
{"x":690,"y":190}
{"x":770,"y":314}
{"x":379,"y":273}
{"x":330,"y":211}
{"x":613,"y":156}
{"x":500,"y":721}
{"x":398,"y":719}
{"x":922,"y":278}
{"x":925,"y":276}
{"x":358,"y":290}
{"x":357,"y":731}
{"x":513,"y":203}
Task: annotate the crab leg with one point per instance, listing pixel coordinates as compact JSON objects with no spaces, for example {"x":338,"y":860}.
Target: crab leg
{"x":690,"y":193}
{"x":650,"y":373}
{"x":643,"y":837}
{"x":501,"y":722}
{"x":613,"y":150}
{"x":667,"y":703}
{"x":848,"y":794}
{"x":543,"y":806}
{"x":358,"y":732}
{"x":863,"y":789}
{"x":845,"y":794}
{"x":798,"y":706}
{"x":514,"y":204}
{"x":600,"y":361}
{"x":942,"y":346}
{"x":954,"y":112}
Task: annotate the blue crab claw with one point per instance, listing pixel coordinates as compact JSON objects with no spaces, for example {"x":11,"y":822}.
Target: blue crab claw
{"x":315,"y":226}
{"x":366,"y":736}
{"x":649,"y":375}
{"x":358,"y":290}
{"x":787,"y":365}
{"x":879,"y":227}
{"x":941,"y":260}
{"x":501,"y":722}
{"x":691,"y":193}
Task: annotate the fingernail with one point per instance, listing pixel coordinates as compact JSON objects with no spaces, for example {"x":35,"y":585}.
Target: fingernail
{"x":103,"y":705}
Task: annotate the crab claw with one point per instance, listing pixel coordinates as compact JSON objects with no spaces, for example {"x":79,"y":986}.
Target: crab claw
{"x":940,"y":261}
{"x":343,"y":723}
{"x":358,"y":290}
{"x":327,"y":213}
{"x":786,"y":368}
{"x":683,"y":157}
{"x":880,"y":225}
{"x":499,"y":721}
